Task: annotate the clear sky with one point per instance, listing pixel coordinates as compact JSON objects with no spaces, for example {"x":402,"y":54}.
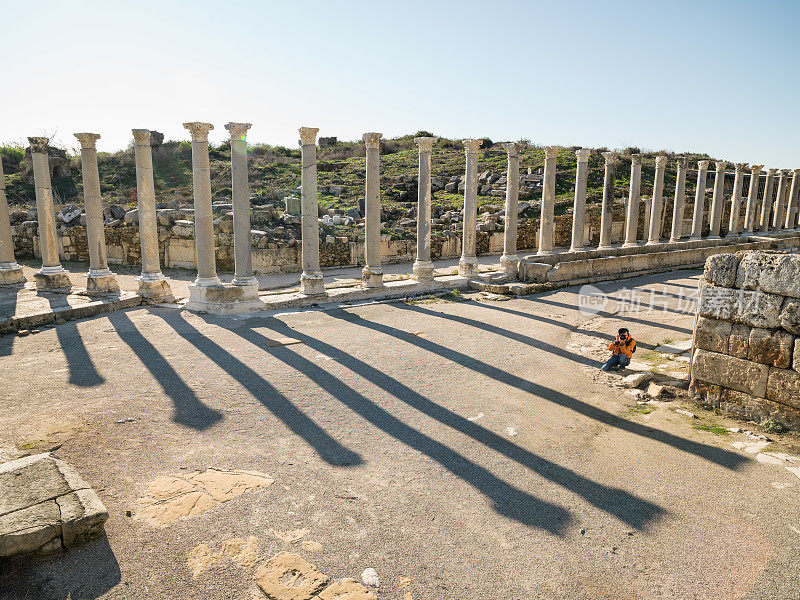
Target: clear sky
{"x":716,"y":77}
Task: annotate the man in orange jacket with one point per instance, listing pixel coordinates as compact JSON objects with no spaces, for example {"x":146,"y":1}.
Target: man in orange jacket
{"x":622,"y":348}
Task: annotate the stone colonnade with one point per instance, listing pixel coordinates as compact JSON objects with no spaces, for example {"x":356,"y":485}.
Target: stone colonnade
{"x":10,"y":271}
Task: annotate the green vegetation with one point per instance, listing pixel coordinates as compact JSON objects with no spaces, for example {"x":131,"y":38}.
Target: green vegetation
{"x":642,"y":410}
{"x":710,"y":427}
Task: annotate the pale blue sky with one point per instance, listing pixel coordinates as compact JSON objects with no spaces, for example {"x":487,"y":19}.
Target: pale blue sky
{"x":719,"y":77}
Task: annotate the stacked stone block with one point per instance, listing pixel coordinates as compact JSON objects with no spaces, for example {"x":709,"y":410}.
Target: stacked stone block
{"x":747,"y":348}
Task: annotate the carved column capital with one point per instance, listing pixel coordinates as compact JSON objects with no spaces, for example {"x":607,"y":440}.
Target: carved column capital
{"x":512,"y":148}
{"x":199,"y":130}
{"x":238,"y":131}
{"x":756,"y":169}
{"x":372,"y":140}
{"x":611,"y":157}
{"x":719,"y":166}
{"x":636,"y":159}
{"x":141,"y":137}
{"x":740,"y":167}
{"x":425,"y":143}
{"x":772,"y":171}
{"x":583,"y":154}
{"x":308,"y":136}
{"x":471,"y":146}
{"x":703,"y":165}
{"x":88,"y":140}
{"x":39,"y":144}
{"x":661,"y":161}
{"x":681,"y":161}
{"x":550,"y":152}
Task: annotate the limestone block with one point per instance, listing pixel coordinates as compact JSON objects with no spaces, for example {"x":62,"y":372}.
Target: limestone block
{"x":731,"y":372}
{"x":745,"y":406}
{"x":796,"y":359}
{"x":82,"y":517}
{"x":771,"y":347}
{"x":754,"y":308}
{"x":704,"y":393}
{"x":783,"y":387}
{"x":790,"y":316}
{"x":287,"y":576}
{"x":739,"y":342}
{"x":712,"y":334}
{"x":781,"y":275}
{"x":346,"y":589}
{"x":721,"y":269}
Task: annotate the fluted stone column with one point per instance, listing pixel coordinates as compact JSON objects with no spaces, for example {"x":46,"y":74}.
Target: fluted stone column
{"x":468,"y":265}
{"x":153,"y":286}
{"x":100,"y":278}
{"x":780,"y":201}
{"x":240,"y":192}
{"x":372,"y":273}
{"x":657,"y":204}
{"x":579,"y":206}
{"x":607,"y":210}
{"x":752,"y":199}
{"x":717,"y":200}
{"x":699,"y":200}
{"x":547,"y":216}
{"x":423,"y":267}
{"x":634,"y":199}
{"x":794,"y":199}
{"x":52,"y":275}
{"x":509,"y":262}
{"x":311,"y":281}
{"x":679,"y":206}
{"x":766,"y":201}
{"x":10,"y":271}
{"x":735,"y":222}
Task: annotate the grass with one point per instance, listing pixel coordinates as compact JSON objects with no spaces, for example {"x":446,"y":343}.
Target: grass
{"x":710,"y":427}
{"x":642,"y":410}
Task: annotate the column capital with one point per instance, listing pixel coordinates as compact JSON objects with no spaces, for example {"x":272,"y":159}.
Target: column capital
{"x":471,"y":146}
{"x":308,"y":136}
{"x":141,"y":137}
{"x":661,"y":161}
{"x":786,"y":172}
{"x":39,"y":144}
{"x":740,"y":167}
{"x":719,"y":166}
{"x":88,"y":140}
{"x":636,"y":159}
{"x":238,"y":131}
{"x":772,"y":171}
{"x":681,"y":161}
{"x":611,"y":157}
{"x":756,"y":168}
{"x":550,"y":152}
{"x":796,"y":172}
{"x":372,"y":140}
{"x":583,"y":154}
{"x":199,"y":130}
{"x":512,"y":148}
{"x":703,"y":164}
{"x":425,"y":143}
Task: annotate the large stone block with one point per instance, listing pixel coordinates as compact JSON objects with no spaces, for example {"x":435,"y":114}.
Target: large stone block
{"x":712,"y":334}
{"x":771,"y":347}
{"x":721,"y":269}
{"x":745,"y":406}
{"x":754,"y":308}
{"x":783,"y":386}
{"x":777,"y":273}
{"x":750,"y":268}
{"x":704,"y":393}
{"x":739,"y":342}
{"x":790,"y":316}
{"x":730,"y":372}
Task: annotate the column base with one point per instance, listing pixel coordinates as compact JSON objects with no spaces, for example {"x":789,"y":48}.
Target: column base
{"x":105,"y":283}
{"x":652,"y":242}
{"x":544,"y":252}
{"x":207,"y":281}
{"x":509,"y":263}
{"x":245,"y":281}
{"x":577,"y":249}
{"x":372,"y":277}
{"x":422,"y":270}
{"x":154,"y":290}
{"x":695,"y":239}
{"x":58,"y":281}
{"x":713,"y":237}
{"x":311,"y":284}
{"x":224,"y":299}
{"x":605,"y":247}
{"x":468,"y":266}
{"x":630,"y":244}
{"x":11,"y":273}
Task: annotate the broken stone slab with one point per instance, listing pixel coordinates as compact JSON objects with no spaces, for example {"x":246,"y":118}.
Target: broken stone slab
{"x":346,"y":589}
{"x":46,"y":506}
{"x":288,"y":576}
{"x":637,"y":379}
{"x":675,"y":347}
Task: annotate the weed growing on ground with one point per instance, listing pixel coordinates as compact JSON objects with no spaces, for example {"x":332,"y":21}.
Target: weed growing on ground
{"x":710,"y":427}
{"x":642,"y":410}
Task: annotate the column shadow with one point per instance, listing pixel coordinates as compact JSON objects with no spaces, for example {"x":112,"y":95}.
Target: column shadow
{"x":82,"y":371}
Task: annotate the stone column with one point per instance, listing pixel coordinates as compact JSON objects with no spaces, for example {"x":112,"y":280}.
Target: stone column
{"x":734,"y":224}
{"x":634,"y":199}
{"x":100,"y":278}
{"x":240,"y":188}
{"x":607,"y":211}
{"x":52,"y":275}
{"x":752,"y":199}
{"x":579,"y":206}
{"x":468,"y":265}
{"x":10,"y":271}
{"x":547,"y":216}
{"x":311,"y":282}
{"x":657,"y":204}
{"x":153,"y":286}
{"x":699,"y":200}
{"x":423,"y":267}
{"x":780,"y":201}
{"x":717,"y":200}
{"x":509,"y":262}
{"x":794,"y":197}
{"x":766,"y":201}
{"x":372,"y":273}
{"x":679,"y":207}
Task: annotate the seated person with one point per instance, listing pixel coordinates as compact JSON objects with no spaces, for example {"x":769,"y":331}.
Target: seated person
{"x":622,"y":349}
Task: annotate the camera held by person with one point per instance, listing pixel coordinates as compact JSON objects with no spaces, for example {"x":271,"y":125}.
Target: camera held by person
{"x":622,"y":349}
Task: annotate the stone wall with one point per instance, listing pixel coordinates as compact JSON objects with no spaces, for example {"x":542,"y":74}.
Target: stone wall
{"x":747,"y":354}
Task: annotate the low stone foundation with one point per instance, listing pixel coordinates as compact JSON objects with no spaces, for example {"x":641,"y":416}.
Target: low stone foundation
{"x":747,"y":357}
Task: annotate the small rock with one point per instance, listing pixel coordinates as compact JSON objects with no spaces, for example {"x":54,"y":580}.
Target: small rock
{"x":637,"y":379}
{"x":680,"y":411}
{"x":59,"y":321}
{"x":370,"y":577}
{"x":654,"y":390}
{"x":23,"y":332}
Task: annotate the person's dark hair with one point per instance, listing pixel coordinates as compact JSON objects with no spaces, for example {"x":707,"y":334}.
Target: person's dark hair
{"x":623,"y":330}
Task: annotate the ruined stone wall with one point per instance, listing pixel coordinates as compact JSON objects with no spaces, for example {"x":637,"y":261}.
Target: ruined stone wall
{"x":747,"y":337}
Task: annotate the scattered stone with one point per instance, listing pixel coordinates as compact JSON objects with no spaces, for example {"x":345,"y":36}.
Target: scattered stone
{"x":290,"y":537}
{"x":751,"y":447}
{"x":654,"y":390}
{"x":403,"y":582}
{"x":23,"y":332}
{"x":637,"y":379}
{"x":686,"y":413}
{"x":512,"y":431}
{"x":675,"y":347}
{"x":311,"y":546}
{"x":346,"y":589}
{"x":370,"y":577}
{"x":201,"y":558}
{"x":288,"y":576}
{"x":768,"y":459}
{"x":245,"y":553}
